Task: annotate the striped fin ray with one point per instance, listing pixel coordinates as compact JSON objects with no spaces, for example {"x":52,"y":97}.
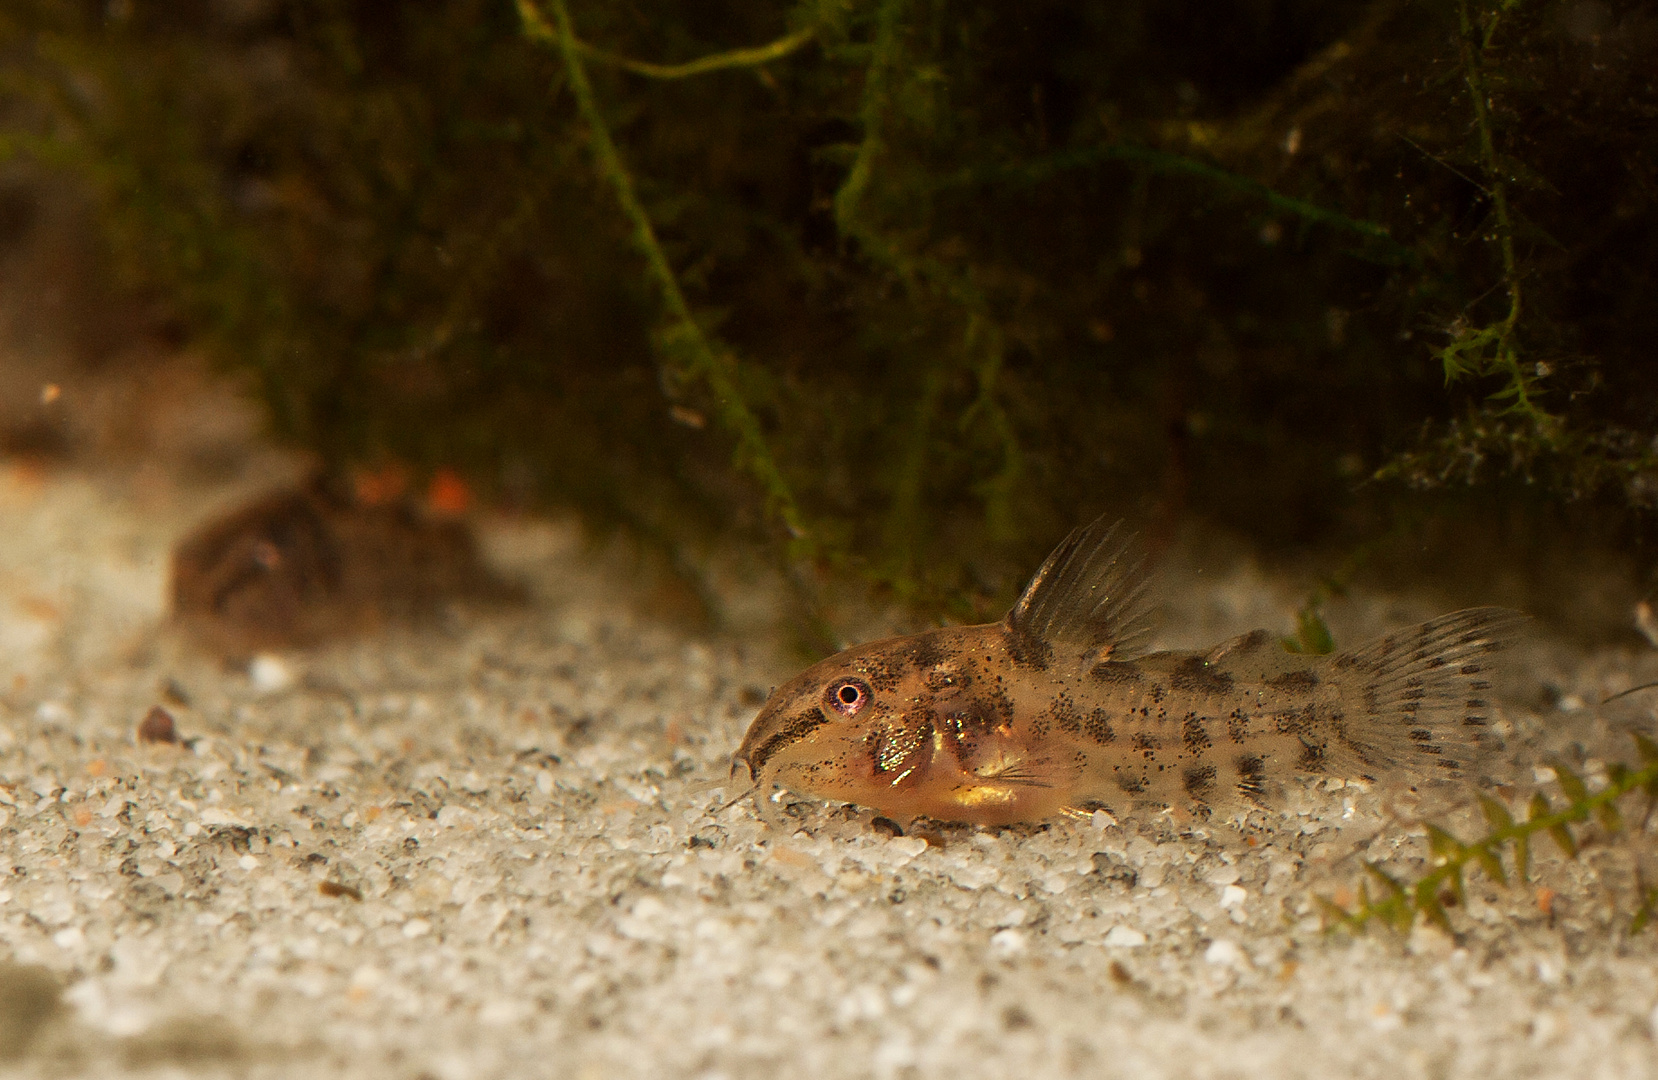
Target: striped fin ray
{"x":1089,"y":596}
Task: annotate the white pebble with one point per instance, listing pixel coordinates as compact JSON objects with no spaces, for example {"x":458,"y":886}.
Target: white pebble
{"x":1125,"y":937}
{"x":901,"y":849}
{"x":1222,"y":951}
{"x":416,"y":928}
{"x":270,"y":674}
{"x":1233,"y":896}
{"x":649,"y":907}
{"x":1007,"y":942}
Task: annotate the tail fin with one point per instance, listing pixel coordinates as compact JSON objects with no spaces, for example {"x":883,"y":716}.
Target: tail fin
{"x":1419,"y":700}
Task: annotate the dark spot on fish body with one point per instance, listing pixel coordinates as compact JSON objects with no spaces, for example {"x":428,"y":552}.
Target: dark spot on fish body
{"x":1421,"y":734}
{"x":1130,"y":783}
{"x":1029,"y":651}
{"x":1295,"y":682}
{"x":1195,"y":735}
{"x":1237,"y":726}
{"x":1372,"y":701}
{"x":1295,"y":721}
{"x":1066,"y":714}
{"x":796,"y":728}
{"x":941,"y":679}
{"x":1116,"y":671}
{"x":1147,"y":745}
{"x":1099,"y":727}
{"x":1199,"y":781}
{"x":1001,"y":703}
{"x":1312,"y":757}
{"x":1194,"y":673}
{"x":1252,"y":774}
{"x":926,"y":650}
{"x":1158,"y":693}
{"x":880,"y":672}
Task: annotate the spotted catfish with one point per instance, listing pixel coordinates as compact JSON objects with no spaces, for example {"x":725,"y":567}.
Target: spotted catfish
{"x":1053,"y":710}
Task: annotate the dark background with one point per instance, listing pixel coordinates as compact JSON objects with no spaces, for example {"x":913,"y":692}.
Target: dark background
{"x":974,"y":272}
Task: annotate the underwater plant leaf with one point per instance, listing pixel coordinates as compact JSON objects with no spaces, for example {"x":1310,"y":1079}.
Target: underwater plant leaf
{"x":1458,"y":888}
{"x":1395,"y":889}
{"x":1333,"y":913}
{"x":1562,"y":835}
{"x":1491,"y":863}
{"x":1428,"y":903}
{"x":1312,"y":635}
{"x":1496,"y":814}
{"x":1570,"y":782}
{"x":1443,"y":845}
{"x":1522,"y":858}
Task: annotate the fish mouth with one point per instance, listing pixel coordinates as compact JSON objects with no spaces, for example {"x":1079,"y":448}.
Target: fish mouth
{"x":755,"y":738}
{"x":739,"y":760}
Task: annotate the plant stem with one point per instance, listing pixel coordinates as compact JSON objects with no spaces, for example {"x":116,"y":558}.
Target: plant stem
{"x":849,"y":199}
{"x":1405,"y":903}
{"x":736,"y":58}
{"x":1473,"y":46}
{"x":713,"y":364}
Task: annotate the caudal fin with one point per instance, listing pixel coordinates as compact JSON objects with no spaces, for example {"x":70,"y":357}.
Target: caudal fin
{"x":1420,"y":700}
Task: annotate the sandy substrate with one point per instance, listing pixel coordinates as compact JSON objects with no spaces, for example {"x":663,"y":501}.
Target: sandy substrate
{"x":477,"y":850}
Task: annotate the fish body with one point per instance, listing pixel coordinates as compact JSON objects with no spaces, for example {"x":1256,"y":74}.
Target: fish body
{"x":1053,"y":710}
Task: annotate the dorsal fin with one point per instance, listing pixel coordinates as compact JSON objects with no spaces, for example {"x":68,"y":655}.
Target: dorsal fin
{"x":1088,"y":597}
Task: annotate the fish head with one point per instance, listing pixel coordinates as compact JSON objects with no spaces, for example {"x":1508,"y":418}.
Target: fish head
{"x":857,"y":726}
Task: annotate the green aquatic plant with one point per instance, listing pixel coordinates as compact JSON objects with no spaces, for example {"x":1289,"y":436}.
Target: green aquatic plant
{"x":1508,"y":841}
{"x":1483,"y":351}
{"x":691,"y":352}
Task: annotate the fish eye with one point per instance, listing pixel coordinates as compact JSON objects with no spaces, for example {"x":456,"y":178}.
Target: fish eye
{"x":848,"y":696}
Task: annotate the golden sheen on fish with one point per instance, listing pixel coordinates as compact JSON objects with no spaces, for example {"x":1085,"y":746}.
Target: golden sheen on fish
{"x":1053,"y":711}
